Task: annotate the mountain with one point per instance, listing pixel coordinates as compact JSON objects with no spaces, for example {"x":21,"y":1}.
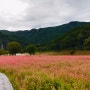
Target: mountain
{"x":45,"y":35}
{"x":74,"y":39}
{"x":39,"y":36}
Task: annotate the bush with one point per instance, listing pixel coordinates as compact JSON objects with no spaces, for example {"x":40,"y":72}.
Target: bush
{"x":72,"y":52}
{"x":3,"y":52}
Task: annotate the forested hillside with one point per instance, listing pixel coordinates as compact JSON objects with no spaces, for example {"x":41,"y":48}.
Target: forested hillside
{"x":41,"y":36}
{"x":77,"y":39}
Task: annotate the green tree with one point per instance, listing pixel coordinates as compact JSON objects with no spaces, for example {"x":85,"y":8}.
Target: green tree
{"x":31,"y":49}
{"x":87,"y":44}
{"x":14,"y":47}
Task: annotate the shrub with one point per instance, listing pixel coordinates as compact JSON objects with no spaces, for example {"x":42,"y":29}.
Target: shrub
{"x":3,"y":52}
{"x":72,"y":52}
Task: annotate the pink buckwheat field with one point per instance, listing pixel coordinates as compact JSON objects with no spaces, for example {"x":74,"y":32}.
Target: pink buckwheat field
{"x":47,"y":72}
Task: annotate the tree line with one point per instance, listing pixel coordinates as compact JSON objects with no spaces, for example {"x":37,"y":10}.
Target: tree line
{"x":15,"y":47}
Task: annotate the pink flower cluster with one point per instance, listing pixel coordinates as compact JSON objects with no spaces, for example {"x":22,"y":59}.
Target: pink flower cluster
{"x":39,"y":59}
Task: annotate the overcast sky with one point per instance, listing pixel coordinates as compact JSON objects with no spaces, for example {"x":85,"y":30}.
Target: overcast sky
{"x":28,"y":14}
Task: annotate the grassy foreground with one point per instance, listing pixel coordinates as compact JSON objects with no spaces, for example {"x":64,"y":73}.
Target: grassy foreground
{"x":43,"y":72}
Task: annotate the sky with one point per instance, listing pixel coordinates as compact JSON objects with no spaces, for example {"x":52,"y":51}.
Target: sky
{"x":28,"y":14}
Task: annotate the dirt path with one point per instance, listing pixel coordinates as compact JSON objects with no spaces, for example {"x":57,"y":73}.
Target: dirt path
{"x":4,"y":83}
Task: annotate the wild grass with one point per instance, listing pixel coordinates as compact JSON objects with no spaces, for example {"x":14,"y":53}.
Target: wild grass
{"x":42,"y":72}
{"x":65,"y":52}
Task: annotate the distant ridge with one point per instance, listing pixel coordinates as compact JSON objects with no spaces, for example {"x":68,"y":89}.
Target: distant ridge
{"x":38,"y":36}
{"x":73,"y":40}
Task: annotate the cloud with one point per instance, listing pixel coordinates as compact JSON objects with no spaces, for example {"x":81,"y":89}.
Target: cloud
{"x":44,"y":13}
{"x":47,"y":13}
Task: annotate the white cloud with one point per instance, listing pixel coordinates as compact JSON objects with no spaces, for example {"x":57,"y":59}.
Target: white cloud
{"x":27,"y":14}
